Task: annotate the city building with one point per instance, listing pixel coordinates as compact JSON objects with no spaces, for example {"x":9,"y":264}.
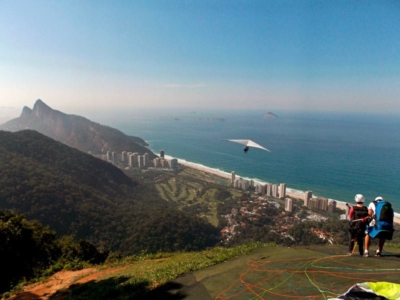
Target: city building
{"x":140,"y":161}
{"x":133,"y":159}
{"x":331,"y":205}
{"x":162,"y":153}
{"x":164,"y":163}
{"x":146,"y":161}
{"x":114,"y":157}
{"x":233,"y":175}
{"x":313,"y":203}
{"x":173,"y":163}
{"x":268,"y":192}
{"x":282,"y":191}
{"x":322,"y":204}
{"x":263,"y":189}
{"x":124,"y":157}
{"x":157,"y":162}
{"x":245,"y":184}
{"x":307,"y":197}
{"x":275,"y":191}
{"x":241,"y":183}
{"x":289,"y":204}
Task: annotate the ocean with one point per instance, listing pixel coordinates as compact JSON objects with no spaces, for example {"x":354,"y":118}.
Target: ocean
{"x":335,"y":155}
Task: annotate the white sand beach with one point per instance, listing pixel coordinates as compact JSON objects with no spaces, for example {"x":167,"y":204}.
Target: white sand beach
{"x":290,"y":192}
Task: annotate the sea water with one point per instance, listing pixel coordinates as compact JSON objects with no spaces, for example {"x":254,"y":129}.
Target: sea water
{"x":335,"y":155}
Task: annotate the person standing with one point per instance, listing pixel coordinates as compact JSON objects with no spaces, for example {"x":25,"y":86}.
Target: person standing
{"x":381,"y":226}
{"x":358,"y":215}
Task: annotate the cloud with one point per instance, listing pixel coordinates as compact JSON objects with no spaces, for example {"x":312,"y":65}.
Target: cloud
{"x":177,"y":86}
{"x":6,"y":107}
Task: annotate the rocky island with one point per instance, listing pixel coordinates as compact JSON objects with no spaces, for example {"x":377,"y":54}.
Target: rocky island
{"x":270,"y":115}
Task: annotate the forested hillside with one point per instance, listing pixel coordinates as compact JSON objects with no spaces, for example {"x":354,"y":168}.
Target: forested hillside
{"x":76,"y":193}
{"x":28,"y":249}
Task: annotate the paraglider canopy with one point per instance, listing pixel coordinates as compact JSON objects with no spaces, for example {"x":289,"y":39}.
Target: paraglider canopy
{"x":249,"y":143}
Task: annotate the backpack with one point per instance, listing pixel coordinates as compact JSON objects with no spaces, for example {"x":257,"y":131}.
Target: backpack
{"x":359,"y":213}
{"x":383,"y":215}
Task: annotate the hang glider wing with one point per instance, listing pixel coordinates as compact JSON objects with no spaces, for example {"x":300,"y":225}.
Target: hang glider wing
{"x":249,"y":143}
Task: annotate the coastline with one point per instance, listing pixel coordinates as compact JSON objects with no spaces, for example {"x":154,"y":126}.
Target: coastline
{"x":290,"y":192}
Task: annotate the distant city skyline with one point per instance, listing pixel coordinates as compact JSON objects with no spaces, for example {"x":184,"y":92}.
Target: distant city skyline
{"x":268,"y":55}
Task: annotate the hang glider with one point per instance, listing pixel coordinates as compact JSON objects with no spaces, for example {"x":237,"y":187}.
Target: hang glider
{"x":248,"y":143}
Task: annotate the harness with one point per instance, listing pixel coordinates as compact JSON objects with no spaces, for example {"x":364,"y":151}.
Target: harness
{"x":359,"y":213}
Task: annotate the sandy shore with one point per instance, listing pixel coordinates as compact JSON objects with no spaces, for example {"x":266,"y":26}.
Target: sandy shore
{"x":290,"y":192}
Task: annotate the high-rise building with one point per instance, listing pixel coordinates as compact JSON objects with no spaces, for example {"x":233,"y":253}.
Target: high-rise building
{"x":289,"y":204}
{"x":114,"y":157}
{"x":140,"y":161}
{"x":124,"y":157}
{"x":331,"y":205}
{"x":245,"y":184}
{"x":313,"y":203}
{"x":173,"y":163}
{"x":164,"y":163}
{"x":109,"y":156}
{"x":322,"y":203}
{"x":233,"y":175}
{"x":275,"y":191}
{"x":156,"y":162}
{"x":133,"y":159}
{"x":282,"y":191}
{"x":162,"y":153}
{"x":236,"y":183}
{"x":146,"y":159}
{"x":268,"y":192}
{"x":307,"y":197}
{"x":263,"y":189}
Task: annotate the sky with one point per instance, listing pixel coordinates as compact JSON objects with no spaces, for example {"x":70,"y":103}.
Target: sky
{"x":267,"y":55}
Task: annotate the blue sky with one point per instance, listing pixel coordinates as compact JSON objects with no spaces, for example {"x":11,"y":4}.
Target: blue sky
{"x":267,"y":55}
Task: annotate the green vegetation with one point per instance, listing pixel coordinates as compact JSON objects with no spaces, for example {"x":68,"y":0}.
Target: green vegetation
{"x":77,"y":194}
{"x":94,"y":207}
{"x":144,"y":273}
{"x":169,"y":231}
{"x":28,"y":250}
{"x":196,"y":193}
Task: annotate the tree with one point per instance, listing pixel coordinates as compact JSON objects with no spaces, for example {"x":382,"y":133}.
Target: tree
{"x":26,"y":247}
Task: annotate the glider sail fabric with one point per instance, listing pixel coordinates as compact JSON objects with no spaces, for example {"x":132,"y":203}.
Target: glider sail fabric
{"x":249,"y":143}
{"x":372,"y":291}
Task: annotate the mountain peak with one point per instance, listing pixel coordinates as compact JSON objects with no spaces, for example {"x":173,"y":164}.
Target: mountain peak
{"x":39,"y":104}
{"x":75,"y":131}
{"x":41,"y":109}
{"x":26,"y":111}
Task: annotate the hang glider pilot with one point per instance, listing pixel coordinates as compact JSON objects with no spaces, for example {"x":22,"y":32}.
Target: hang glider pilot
{"x":248,"y":144}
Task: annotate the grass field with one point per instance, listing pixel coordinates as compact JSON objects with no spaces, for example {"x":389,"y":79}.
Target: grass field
{"x":252,"y":271}
{"x":190,"y":187}
{"x":296,"y":273}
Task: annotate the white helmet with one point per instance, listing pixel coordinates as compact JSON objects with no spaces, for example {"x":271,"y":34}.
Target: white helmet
{"x":359,"y":198}
{"x":379,"y":198}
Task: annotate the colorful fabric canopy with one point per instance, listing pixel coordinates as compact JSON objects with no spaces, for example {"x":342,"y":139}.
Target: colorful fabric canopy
{"x":372,"y":291}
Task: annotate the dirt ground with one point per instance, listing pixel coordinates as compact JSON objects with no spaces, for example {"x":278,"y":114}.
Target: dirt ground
{"x":61,"y":280}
